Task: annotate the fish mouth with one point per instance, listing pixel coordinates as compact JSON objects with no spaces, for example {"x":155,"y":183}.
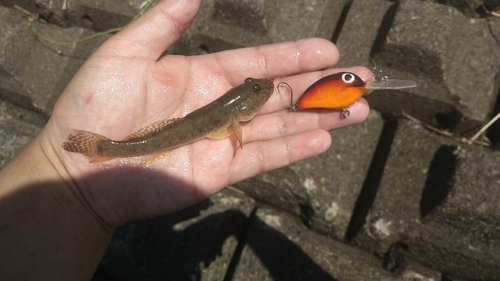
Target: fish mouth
{"x":267,"y":87}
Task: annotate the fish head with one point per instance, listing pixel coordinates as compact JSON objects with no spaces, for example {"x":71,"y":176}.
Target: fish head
{"x":253,"y":95}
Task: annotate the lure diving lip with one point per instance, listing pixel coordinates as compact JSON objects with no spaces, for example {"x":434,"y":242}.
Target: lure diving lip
{"x":340,"y":90}
{"x":391,"y":85}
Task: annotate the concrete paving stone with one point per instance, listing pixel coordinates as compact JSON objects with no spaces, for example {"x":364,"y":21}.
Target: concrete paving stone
{"x":50,"y":11}
{"x":470,"y":8}
{"x":439,"y":199}
{"x":29,"y":5}
{"x":91,"y":14}
{"x":225,"y":24}
{"x":360,"y":30}
{"x":280,"y":188}
{"x":472,"y":203}
{"x":494,"y":25}
{"x":196,"y":243}
{"x":42,"y":68}
{"x":454,"y":59}
{"x":17,"y":105}
{"x":493,"y":133}
{"x":20,"y":121}
{"x":102,"y":15}
{"x":323,"y":190}
{"x":15,"y":130}
{"x":279,"y":247}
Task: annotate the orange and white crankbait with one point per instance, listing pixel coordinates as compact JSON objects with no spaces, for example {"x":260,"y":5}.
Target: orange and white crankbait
{"x":341,"y":90}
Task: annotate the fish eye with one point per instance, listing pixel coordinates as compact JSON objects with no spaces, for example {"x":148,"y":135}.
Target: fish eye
{"x":348,"y":78}
{"x":256,"y":88}
{"x":249,"y":80}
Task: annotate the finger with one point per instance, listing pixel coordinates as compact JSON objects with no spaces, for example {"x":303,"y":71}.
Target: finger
{"x":285,"y":122}
{"x":264,"y":156}
{"x":152,"y":33}
{"x":275,"y":60}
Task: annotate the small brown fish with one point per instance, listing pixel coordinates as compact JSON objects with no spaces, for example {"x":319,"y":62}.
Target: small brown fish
{"x":218,"y":119}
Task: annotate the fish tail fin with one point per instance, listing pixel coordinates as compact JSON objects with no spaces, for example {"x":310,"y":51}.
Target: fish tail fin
{"x":84,"y":142}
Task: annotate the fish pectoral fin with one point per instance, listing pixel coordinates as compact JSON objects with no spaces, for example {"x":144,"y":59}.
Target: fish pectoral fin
{"x":99,"y":159}
{"x":155,"y":157}
{"x":233,"y":128}
{"x":151,"y":128}
{"x":237,"y":130}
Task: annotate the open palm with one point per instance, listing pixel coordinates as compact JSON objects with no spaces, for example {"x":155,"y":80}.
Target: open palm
{"x":128,"y":84}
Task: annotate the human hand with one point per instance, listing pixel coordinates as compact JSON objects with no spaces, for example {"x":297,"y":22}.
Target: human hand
{"x":128,"y":84}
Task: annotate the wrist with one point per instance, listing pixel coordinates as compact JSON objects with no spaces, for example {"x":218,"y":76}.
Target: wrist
{"x":45,"y":225}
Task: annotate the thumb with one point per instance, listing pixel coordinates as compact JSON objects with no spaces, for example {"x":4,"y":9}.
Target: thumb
{"x":154,"y":32}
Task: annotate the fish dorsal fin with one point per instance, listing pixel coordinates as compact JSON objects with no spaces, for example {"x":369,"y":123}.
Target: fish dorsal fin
{"x":151,"y":128}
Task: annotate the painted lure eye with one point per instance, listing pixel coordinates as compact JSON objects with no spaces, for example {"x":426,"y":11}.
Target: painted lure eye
{"x":348,"y":78}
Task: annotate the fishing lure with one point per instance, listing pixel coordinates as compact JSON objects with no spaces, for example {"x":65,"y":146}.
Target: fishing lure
{"x":341,"y":90}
